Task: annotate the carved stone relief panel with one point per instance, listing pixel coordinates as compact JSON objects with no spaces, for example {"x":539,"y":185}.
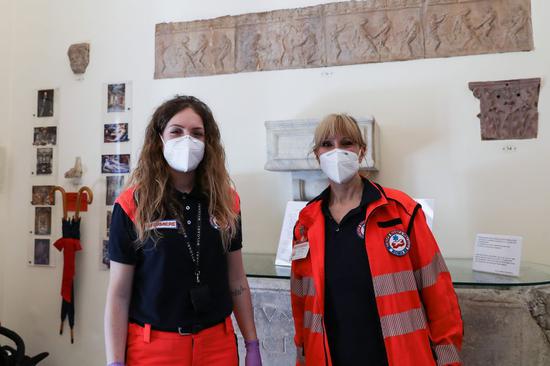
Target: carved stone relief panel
{"x":342,"y":33}
{"x":509,"y":108}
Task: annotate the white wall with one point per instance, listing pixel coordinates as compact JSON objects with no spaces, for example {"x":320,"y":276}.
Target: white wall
{"x":5,"y":106}
{"x":430,"y":140}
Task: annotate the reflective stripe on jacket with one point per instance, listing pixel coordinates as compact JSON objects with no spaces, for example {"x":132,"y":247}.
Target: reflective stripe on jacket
{"x":417,"y":305}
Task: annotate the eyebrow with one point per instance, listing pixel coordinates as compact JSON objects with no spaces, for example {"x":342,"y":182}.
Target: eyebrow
{"x":180,"y":126}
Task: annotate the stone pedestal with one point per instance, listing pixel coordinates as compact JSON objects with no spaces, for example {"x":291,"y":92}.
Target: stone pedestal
{"x":502,"y":326}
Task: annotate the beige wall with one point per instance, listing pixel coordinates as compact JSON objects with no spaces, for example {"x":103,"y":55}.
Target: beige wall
{"x":430,"y":141}
{"x":6,"y":24}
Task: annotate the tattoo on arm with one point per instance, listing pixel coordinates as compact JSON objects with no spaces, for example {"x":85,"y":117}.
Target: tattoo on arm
{"x":238,"y":291}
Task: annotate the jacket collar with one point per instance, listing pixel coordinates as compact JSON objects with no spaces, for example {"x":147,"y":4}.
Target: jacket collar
{"x":373,"y":197}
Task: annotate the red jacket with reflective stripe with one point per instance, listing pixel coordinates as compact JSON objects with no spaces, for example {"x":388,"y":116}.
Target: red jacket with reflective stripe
{"x":417,"y":305}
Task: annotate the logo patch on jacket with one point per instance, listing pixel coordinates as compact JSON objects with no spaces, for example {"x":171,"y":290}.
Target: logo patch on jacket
{"x":361,"y":230}
{"x":397,"y":243}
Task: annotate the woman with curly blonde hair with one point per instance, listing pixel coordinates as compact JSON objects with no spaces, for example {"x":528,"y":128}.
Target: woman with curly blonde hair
{"x":175,"y":249}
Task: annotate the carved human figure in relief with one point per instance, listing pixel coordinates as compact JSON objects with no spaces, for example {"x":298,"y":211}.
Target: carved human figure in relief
{"x":335,"y":38}
{"x":463,"y":30}
{"x":220,"y":51}
{"x":177,"y":57}
{"x":285,"y":40}
{"x":200,"y":52}
{"x":433,"y":29}
{"x":487,"y":23}
{"x":516,"y":25}
{"x":410,"y":35}
{"x":383,"y":34}
{"x":261,"y":47}
{"x":371,"y":47}
{"x":306,"y":46}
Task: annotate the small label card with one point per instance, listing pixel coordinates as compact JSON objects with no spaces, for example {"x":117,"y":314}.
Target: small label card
{"x":284,"y":252}
{"x":499,"y":254}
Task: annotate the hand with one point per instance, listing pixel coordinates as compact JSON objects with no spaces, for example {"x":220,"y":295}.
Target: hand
{"x":252,"y":353}
{"x":116,"y":364}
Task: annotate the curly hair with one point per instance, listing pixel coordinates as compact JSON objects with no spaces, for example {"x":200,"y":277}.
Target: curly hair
{"x":151,"y":178}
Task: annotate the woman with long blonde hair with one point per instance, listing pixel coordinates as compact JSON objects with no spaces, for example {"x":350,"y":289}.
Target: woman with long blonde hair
{"x":175,"y":250}
{"x":369,"y":285}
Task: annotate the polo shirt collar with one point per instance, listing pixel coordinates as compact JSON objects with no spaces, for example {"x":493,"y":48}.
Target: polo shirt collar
{"x":369,"y":195}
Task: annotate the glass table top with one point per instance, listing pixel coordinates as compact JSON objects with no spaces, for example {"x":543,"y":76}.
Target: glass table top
{"x":531,"y":274}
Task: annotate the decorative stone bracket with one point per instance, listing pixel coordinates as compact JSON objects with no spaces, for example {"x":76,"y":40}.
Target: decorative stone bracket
{"x":289,"y":145}
{"x":509,"y":108}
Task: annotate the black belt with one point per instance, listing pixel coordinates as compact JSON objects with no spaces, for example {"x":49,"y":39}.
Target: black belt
{"x":183,"y":330}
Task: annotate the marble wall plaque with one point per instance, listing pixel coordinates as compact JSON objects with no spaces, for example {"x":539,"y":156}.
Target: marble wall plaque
{"x":345,"y":33}
{"x":509,"y":108}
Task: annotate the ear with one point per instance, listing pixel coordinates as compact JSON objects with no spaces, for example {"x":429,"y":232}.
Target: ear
{"x":362,"y":153}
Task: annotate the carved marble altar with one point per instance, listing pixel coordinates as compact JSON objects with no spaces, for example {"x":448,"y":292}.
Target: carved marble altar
{"x":506,"y":319}
{"x":509,"y":108}
{"x":345,"y":33}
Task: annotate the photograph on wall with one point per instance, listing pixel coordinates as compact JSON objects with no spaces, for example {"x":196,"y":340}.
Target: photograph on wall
{"x":43,"y":195}
{"x":42,"y":251}
{"x":105,"y":254}
{"x":45,"y":136}
{"x":117,"y":163}
{"x":108,"y":220}
{"x":115,"y":132}
{"x":114,"y":188}
{"x":44,"y":158}
{"x":116,"y":98}
{"x":43,"y":221}
{"x":45,"y":103}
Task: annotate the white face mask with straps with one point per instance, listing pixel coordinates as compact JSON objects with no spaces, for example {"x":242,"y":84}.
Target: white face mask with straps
{"x":339,"y":165}
{"x":184,"y":153}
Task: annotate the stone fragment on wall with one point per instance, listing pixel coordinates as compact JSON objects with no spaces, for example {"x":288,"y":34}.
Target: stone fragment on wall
{"x":509,"y":108}
{"x":345,"y":33}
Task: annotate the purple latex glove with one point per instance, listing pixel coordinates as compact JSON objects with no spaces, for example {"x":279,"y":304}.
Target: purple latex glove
{"x":252,"y":353}
{"x":116,"y":364}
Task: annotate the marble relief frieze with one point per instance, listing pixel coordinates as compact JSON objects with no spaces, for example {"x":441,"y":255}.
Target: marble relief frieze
{"x":344,"y":33}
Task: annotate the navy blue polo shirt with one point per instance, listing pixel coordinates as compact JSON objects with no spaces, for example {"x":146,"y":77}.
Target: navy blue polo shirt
{"x":164,"y":271}
{"x":351,"y":315}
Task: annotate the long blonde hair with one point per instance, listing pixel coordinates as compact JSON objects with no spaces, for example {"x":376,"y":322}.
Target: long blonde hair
{"x":151,"y":178}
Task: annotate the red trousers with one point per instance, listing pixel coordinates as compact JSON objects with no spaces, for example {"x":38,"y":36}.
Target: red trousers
{"x":214,"y":346}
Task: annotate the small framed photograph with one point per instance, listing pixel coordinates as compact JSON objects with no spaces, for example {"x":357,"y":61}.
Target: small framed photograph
{"x":115,"y":132}
{"x":45,"y":103}
{"x":43,"y":195}
{"x":115,"y":184}
{"x":108,"y":217}
{"x":117,"y":163}
{"x":105,"y":254}
{"x":42,"y":252}
{"x":43,"y":221}
{"x":116,"y":98}
{"x":45,"y":136}
{"x":44,"y":157}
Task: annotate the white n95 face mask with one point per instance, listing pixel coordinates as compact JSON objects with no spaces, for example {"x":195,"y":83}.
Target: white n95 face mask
{"x":183,"y":153}
{"x":339,"y":165}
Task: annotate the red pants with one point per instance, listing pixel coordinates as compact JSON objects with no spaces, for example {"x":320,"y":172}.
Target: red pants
{"x":214,"y":346}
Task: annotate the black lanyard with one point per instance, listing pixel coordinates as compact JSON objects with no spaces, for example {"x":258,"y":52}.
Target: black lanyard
{"x":195,"y":254}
